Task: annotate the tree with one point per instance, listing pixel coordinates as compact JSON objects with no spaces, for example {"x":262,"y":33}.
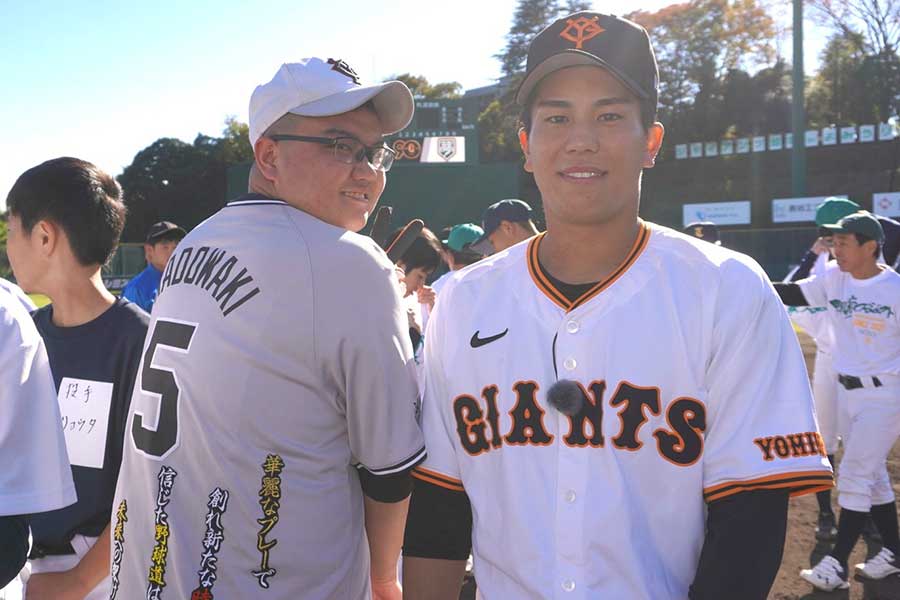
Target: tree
{"x":180,"y":182}
{"x":697,"y":43}
{"x":420,"y":87}
{"x":5,"y":269}
{"x":530,"y":18}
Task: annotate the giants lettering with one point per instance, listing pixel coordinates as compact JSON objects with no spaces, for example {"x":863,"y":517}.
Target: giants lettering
{"x":681,"y":444}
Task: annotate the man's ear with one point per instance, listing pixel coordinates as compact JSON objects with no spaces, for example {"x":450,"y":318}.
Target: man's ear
{"x":265,"y":151}
{"x":523,"y":143}
{"x":655,"y":135}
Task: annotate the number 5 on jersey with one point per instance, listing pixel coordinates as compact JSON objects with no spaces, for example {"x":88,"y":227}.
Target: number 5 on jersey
{"x":157,"y":438}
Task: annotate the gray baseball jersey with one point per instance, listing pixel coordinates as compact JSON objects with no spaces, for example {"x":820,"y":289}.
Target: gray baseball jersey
{"x":277,"y":362}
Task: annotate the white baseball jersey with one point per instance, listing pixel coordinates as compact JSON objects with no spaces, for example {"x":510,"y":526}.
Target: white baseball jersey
{"x":277,"y":361}
{"x":864,"y":319}
{"x":36,"y":476}
{"x":16,"y":291}
{"x":814,"y":319}
{"x":694,"y":389}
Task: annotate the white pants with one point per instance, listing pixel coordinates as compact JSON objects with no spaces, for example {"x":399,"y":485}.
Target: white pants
{"x":53,"y":564}
{"x":873,"y":428}
{"x":831,"y":412}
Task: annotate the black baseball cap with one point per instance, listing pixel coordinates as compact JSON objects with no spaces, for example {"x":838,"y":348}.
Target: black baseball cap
{"x":704,"y":230}
{"x":588,"y":38}
{"x":862,"y":222}
{"x":165,"y":229}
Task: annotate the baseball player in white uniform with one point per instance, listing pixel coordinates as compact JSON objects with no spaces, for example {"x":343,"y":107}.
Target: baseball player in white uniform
{"x":273,"y":424}
{"x":600,"y":419}
{"x":863,"y":300}
{"x":36,"y":476}
{"x":830,"y":414}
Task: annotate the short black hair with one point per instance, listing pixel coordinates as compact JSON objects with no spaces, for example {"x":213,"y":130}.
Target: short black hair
{"x":649,"y":112}
{"x":77,"y":196}
{"x":862,"y":239}
{"x":424,"y":252}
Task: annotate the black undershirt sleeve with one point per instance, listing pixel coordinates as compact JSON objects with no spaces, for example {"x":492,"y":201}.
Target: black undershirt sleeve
{"x":385,"y":488}
{"x":791,"y":294}
{"x":743,"y":546}
{"x":806,"y":265}
{"x":439,"y":524}
{"x":13,"y":548}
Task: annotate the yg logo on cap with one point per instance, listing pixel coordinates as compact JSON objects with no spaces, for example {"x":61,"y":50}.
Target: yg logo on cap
{"x":581,"y":30}
{"x":344,"y":69}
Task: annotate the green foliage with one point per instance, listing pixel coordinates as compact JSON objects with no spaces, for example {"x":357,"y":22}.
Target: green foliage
{"x":180,"y":182}
{"x":5,"y":270}
{"x":420,"y":87}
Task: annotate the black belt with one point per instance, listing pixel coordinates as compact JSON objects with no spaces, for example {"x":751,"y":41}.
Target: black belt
{"x":42,"y":550}
{"x":853,"y":383}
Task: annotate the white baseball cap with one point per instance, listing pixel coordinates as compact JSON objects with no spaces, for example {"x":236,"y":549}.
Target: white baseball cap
{"x":314,"y":87}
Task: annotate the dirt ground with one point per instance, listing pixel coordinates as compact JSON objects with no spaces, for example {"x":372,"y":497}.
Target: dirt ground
{"x":801,"y":549}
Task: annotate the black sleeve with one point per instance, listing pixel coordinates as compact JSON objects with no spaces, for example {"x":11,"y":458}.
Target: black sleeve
{"x":385,"y":488}
{"x":791,"y":294}
{"x":806,"y":265}
{"x":439,"y":524}
{"x":743,"y":546}
{"x":14,"y":549}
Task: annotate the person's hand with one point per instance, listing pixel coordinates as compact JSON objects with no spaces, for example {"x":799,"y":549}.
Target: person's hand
{"x":411,"y":319}
{"x":427,"y":296}
{"x":821,"y":246}
{"x":386,"y":590}
{"x":64,"y":585}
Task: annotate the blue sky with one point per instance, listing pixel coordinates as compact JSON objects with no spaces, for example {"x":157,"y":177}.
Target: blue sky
{"x":101,"y":80}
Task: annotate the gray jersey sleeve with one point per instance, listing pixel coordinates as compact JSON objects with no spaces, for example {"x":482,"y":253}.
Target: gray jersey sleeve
{"x":361,"y":336}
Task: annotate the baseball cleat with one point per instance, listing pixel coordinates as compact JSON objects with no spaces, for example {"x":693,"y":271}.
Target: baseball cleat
{"x":827,"y":575}
{"x":826,"y":530}
{"x":879,"y":566}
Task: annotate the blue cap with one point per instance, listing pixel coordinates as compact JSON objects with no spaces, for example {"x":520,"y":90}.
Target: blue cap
{"x":511,"y":209}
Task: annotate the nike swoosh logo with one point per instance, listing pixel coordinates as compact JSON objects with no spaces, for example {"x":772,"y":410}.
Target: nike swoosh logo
{"x":477,"y":342}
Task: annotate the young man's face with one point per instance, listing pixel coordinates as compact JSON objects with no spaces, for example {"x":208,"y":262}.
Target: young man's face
{"x":414,"y":279}
{"x":852,"y":256}
{"x":158,"y":254}
{"x":587,"y":146}
{"x":310,"y":178}
{"x":23,"y":255}
{"x":507,"y":234}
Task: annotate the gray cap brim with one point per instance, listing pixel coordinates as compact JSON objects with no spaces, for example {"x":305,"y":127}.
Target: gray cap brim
{"x":571,"y":58}
{"x":392,"y":100}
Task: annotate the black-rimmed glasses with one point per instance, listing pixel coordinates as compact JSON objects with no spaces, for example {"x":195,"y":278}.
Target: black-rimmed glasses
{"x":348,"y":150}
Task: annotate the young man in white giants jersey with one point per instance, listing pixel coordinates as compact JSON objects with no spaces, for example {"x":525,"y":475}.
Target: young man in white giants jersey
{"x":618,"y":410}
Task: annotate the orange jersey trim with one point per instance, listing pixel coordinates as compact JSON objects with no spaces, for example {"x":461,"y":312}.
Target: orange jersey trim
{"x":438,"y":479}
{"x":799,"y":484}
{"x":557,"y":297}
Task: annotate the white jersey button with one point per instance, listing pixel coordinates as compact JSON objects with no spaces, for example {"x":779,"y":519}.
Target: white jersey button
{"x":568,"y":585}
{"x":570,"y":364}
{"x":570,"y":496}
{"x":572,"y":327}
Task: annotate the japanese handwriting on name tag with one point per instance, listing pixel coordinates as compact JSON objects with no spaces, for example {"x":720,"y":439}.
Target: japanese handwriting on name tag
{"x":84,"y":412}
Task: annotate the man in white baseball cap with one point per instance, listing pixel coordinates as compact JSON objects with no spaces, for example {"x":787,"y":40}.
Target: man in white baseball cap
{"x":275,"y":462}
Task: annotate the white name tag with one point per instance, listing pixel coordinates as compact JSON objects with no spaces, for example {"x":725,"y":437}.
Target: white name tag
{"x":84,"y":411}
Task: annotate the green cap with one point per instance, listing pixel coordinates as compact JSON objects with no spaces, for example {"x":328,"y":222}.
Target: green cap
{"x":834,"y":209}
{"x":862,"y":222}
{"x":462,"y":236}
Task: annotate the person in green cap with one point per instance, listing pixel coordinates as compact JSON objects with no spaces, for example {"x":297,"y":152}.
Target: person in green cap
{"x":458,"y":253}
{"x":816,"y":323}
{"x":862,"y":297}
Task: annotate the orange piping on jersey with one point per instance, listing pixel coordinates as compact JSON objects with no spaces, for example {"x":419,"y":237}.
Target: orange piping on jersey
{"x":557,"y":297}
{"x":805,"y":482}
{"x":639,"y":244}
{"x":542,"y":283}
{"x":438,"y":479}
